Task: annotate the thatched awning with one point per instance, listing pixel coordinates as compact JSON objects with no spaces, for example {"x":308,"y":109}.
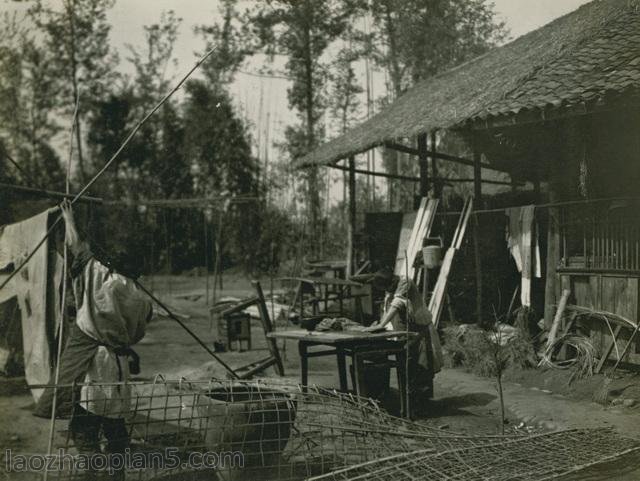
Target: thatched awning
{"x":578,"y":59}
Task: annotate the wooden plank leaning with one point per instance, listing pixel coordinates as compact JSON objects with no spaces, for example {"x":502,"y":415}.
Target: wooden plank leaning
{"x":424,"y":229}
{"x":440,"y":289}
{"x":274,"y":359}
{"x":405,"y":249}
{"x":421,"y":229}
{"x":607,"y":350}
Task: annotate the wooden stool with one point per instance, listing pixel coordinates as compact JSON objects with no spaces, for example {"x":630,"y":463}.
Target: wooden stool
{"x":237,"y":329}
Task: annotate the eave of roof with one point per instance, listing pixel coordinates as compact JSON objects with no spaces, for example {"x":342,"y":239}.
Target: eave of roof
{"x":577,"y":59}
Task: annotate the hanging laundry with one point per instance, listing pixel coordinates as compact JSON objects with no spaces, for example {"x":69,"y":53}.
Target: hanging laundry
{"x":522,"y":242}
{"x":29,"y":286}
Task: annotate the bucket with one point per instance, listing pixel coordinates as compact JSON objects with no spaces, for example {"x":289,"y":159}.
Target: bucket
{"x":432,"y":256}
{"x":253,"y":420}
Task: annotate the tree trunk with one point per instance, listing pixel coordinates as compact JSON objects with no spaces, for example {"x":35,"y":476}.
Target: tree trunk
{"x":75,"y":90}
{"x":501,"y":396}
{"x":393,"y":158}
{"x":352,"y":217}
{"x":312,"y":176}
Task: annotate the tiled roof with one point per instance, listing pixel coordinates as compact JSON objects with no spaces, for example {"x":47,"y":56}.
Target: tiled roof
{"x":580,"y":58}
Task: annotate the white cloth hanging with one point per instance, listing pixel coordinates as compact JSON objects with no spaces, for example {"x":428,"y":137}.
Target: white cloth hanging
{"x":29,"y":286}
{"x":522,"y":241}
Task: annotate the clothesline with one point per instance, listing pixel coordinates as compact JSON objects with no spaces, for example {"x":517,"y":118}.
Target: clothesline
{"x":543,"y":206}
{"x":178,"y":203}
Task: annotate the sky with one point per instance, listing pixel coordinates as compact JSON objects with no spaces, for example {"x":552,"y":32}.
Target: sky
{"x":128,"y":17}
{"x":263,"y":101}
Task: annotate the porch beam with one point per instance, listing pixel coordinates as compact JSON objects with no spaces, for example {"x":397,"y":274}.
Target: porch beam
{"x":417,"y":179}
{"x":376,"y":173}
{"x":439,"y":155}
{"x":401,"y":148}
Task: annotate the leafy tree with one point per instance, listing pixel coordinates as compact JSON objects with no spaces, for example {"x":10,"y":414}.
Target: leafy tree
{"x":151,"y":63}
{"x":217,"y":144}
{"x":303,"y":30}
{"x":109,"y":124}
{"x":79,"y":61}
{"x":11,"y":82}
{"x":8,"y":172}
{"x":232,"y":41}
{"x":416,"y":39}
{"x":344,"y":106}
{"x":26,"y":102}
{"x":345,"y":90}
{"x":156,"y":154}
{"x":153,"y":165}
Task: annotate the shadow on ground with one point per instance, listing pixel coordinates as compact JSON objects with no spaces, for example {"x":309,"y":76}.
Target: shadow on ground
{"x":455,"y":405}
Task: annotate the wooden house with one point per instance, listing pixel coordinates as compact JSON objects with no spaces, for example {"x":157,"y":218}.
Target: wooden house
{"x":558,"y":107}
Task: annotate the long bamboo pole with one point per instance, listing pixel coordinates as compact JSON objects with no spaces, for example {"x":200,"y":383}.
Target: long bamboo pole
{"x":189,"y":331}
{"x":133,"y":132}
{"x":63,"y":297}
{"x":96,"y":177}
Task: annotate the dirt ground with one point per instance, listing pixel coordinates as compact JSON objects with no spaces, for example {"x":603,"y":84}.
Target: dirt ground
{"x":624,"y":385}
{"x":168,"y":350}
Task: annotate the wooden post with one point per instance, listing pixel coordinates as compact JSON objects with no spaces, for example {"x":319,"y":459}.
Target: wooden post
{"x":553,"y":256}
{"x":562,"y":145}
{"x":477,"y":194}
{"x":477,"y":179}
{"x":206,"y":256}
{"x":536,"y":188}
{"x":352,"y":216}
{"x":437,"y":186}
{"x":423,"y":159}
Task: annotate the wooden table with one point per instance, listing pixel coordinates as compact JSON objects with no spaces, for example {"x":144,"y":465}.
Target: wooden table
{"x":337,"y":267}
{"x":327,"y":285}
{"x":356,"y":344}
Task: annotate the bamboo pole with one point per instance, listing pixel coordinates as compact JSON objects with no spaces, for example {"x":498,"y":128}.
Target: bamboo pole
{"x":352,"y":217}
{"x":407,"y":391}
{"x":189,"y":331}
{"x":63,"y":297}
{"x":206,"y":256}
{"x":133,"y":132}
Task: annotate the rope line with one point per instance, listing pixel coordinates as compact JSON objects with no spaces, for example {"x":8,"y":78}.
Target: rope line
{"x":107,"y":165}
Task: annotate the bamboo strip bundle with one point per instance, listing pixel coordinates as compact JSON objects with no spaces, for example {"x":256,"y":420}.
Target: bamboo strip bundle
{"x":531,"y":458}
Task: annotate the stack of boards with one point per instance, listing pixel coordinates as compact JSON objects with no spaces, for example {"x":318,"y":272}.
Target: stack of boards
{"x":440,"y":289}
{"x":413,"y":244}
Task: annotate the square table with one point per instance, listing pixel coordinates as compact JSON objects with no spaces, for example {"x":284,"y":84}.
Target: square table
{"x":358,"y":345}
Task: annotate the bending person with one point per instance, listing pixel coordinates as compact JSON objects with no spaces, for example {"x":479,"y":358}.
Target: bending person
{"x":404,"y":307}
{"x":111,"y":316}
